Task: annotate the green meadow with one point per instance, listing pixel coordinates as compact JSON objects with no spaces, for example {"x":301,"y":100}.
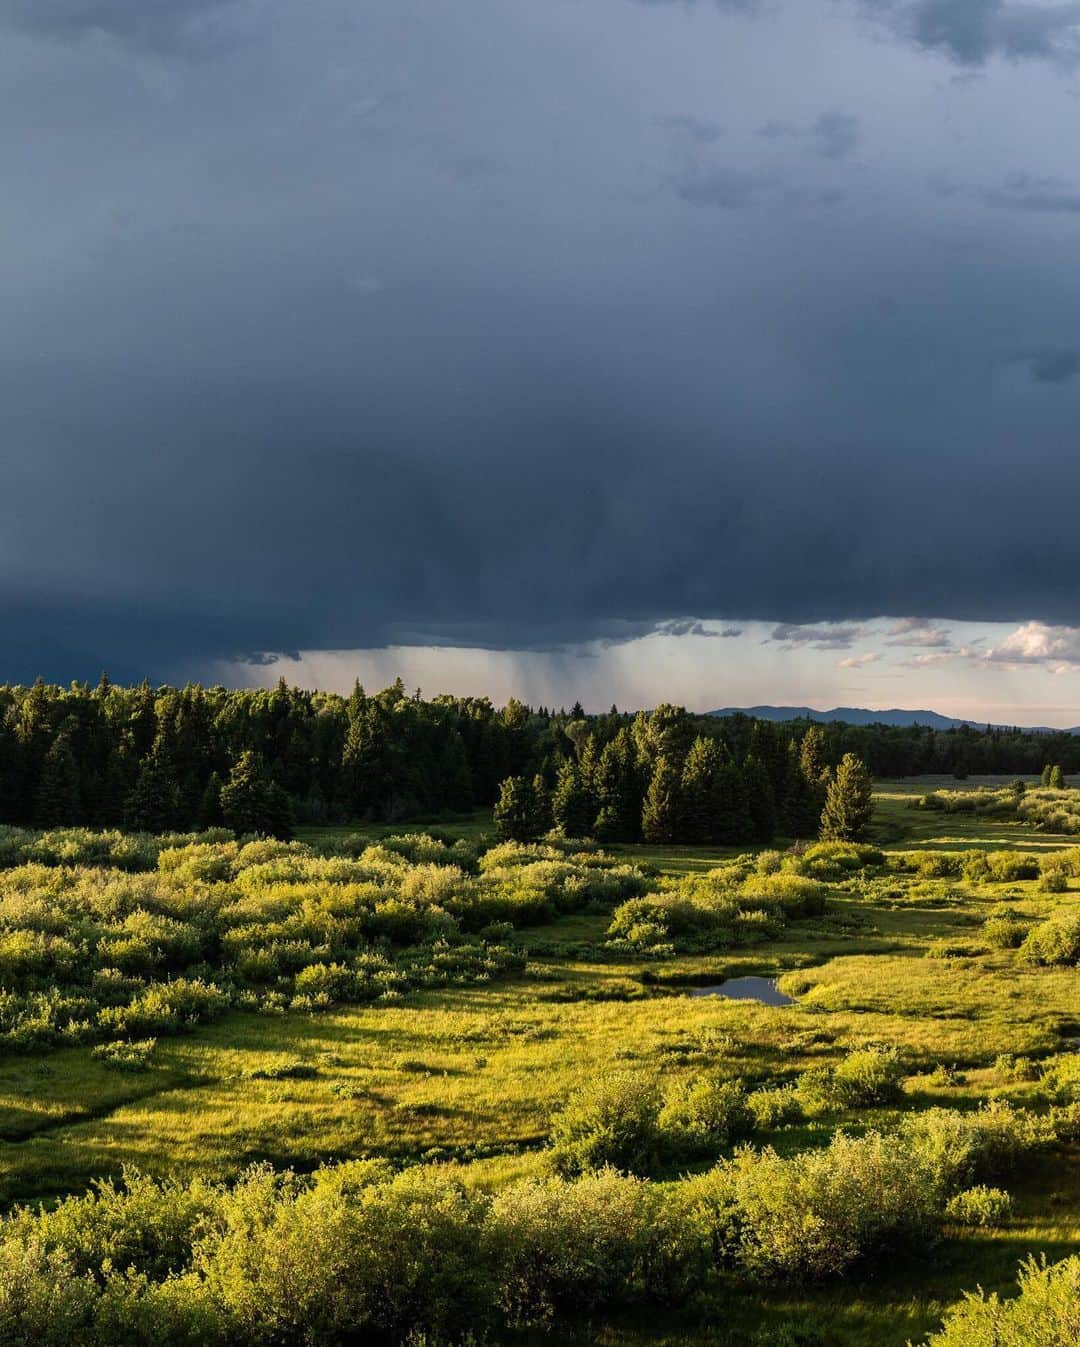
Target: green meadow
{"x":470,"y":1077}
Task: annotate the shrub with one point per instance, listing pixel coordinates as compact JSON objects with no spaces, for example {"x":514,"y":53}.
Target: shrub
{"x":1053,"y":880}
{"x":836,"y":860}
{"x":949,"y":1150}
{"x":1046,"y":1313}
{"x":1008,"y":866}
{"x":166,"y":1007}
{"x":1054,"y":941}
{"x":704,"y":1114}
{"x":602,"y":1240}
{"x":126,"y":1056}
{"x":611,"y":1122}
{"x":979,"y":1206}
{"x":774,"y":1107}
{"x":1060,"y":1079}
{"x":357,"y":1256}
{"x":818,"y":1212}
{"x":145,"y":1225}
{"x":869,"y":1075}
{"x":43,"y":1300}
{"x":937,"y":864}
{"x":1004,"y":932}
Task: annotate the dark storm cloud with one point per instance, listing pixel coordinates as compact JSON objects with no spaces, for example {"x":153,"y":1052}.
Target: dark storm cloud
{"x":164,"y":26}
{"x":359,"y":335}
{"x":721,"y":186}
{"x":970,"y":32}
{"x":697,"y":130}
{"x":821,"y":637}
{"x":1041,"y":195}
{"x":1054,"y":367}
{"x":835,"y":134}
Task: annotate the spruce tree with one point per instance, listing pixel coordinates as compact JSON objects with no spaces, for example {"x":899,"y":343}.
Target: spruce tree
{"x":151,"y":806}
{"x":1046,"y":771}
{"x":618,"y":791}
{"x":251,"y":802}
{"x":848,"y":802}
{"x":516,"y":812}
{"x":210,"y":803}
{"x":1057,"y":778}
{"x":700,"y":779}
{"x":760,"y":801}
{"x":573,"y":805}
{"x":661,"y":813}
{"x":734,"y":825}
{"x":812,"y":755}
{"x":58,"y":797}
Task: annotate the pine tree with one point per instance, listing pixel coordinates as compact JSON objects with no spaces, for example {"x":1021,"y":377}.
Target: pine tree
{"x":210,"y":815}
{"x":1046,"y":773}
{"x":805,"y":799}
{"x":618,"y":791}
{"x":251,"y":802}
{"x":812,"y":755}
{"x":151,"y":806}
{"x":848,"y":802}
{"x":516,"y":815}
{"x":1057,"y":777}
{"x":700,"y":778}
{"x":542,"y":818}
{"x":573,"y":804}
{"x":661,"y":813}
{"x":734,"y":825}
{"x":760,"y":801}
{"x":58,"y":797}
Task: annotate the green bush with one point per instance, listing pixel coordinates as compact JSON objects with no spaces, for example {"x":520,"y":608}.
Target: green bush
{"x":979,"y":1206}
{"x":771,"y":1108}
{"x":703,"y":1114}
{"x":601,"y":1241}
{"x":1046,"y":1313}
{"x":816,"y":1213}
{"x":43,"y":1300}
{"x":1004,"y":932}
{"x":126,"y":1056}
{"x":1054,"y":941}
{"x":1009,"y":866}
{"x":868,"y":1076}
{"x":610,"y":1122}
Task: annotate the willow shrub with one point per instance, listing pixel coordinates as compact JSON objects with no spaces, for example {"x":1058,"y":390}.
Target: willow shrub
{"x":1054,"y":941}
{"x":1046,"y":1313}
{"x":613,"y":1122}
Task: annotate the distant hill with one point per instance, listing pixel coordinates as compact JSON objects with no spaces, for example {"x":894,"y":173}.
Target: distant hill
{"x":857,"y":715}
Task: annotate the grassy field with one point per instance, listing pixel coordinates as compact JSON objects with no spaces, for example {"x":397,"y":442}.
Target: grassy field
{"x":473,"y":1075}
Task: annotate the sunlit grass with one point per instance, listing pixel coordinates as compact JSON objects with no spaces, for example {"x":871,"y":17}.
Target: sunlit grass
{"x":474,"y":1075}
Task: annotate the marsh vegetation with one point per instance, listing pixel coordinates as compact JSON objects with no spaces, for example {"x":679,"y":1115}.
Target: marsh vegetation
{"x":414,"y":1083}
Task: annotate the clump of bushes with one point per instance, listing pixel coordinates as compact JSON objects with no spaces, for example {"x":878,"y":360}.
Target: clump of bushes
{"x":1005,"y":931}
{"x":979,"y":1206}
{"x":729,"y":906}
{"x":1054,"y":941}
{"x":612,"y":1121}
{"x":130,"y":1056}
{"x":703,"y":1115}
{"x":357,"y":1252}
{"x":206,"y":923}
{"x":1046,"y":1312}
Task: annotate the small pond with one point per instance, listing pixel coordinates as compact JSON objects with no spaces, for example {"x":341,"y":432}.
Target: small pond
{"x":747,"y":989}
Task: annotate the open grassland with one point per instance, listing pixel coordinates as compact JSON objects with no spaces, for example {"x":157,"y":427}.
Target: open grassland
{"x":471,"y":1076}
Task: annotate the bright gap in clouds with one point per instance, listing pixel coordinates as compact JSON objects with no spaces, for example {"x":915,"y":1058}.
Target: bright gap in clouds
{"x":1026,"y":675}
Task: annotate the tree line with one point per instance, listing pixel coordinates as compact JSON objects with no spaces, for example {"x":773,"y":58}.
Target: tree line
{"x":164,"y":758}
{"x":157,"y":759}
{"x":660,"y":781}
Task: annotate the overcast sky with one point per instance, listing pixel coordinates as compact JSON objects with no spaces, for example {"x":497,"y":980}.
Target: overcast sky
{"x":535,"y":345}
